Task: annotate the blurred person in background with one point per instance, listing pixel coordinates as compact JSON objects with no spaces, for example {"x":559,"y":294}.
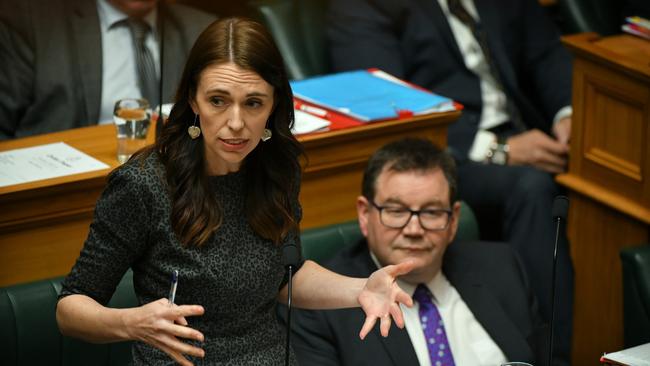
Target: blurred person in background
{"x":70,"y":60}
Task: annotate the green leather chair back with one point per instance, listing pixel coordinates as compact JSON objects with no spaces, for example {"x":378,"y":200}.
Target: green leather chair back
{"x":319,"y":244}
{"x":298,"y":27}
{"x":600,"y":16}
{"x":29,"y":334}
{"x":636,"y":295}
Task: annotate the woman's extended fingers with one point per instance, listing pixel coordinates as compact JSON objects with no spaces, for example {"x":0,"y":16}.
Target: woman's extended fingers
{"x":403,"y":298}
{"x":187,"y":310}
{"x":181,"y":321}
{"x":181,"y":347}
{"x":164,"y":325}
{"x":384,"y":325}
{"x":178,"y":314}
{"x":174,"y":355}
{"x":381,"y":298}
{"x":367,"y":326}
{"x":396,"y":313}
{"x":402,"y":268}
{"x":185,"y":332}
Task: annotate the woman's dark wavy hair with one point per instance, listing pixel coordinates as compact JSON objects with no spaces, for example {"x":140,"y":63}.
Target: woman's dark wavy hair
{"x":272,"y":169}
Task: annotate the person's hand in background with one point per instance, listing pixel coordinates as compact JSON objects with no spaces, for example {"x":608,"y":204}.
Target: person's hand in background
{"x":538,"y":149}
{"x":562,"y":130}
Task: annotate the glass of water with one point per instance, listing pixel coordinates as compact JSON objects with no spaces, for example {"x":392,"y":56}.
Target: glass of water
{"x":132,"y":118}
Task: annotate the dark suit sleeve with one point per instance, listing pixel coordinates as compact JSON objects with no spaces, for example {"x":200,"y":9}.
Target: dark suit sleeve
{"x":538,"y":339}
{"x":16,"y":74}
{"x":547,"y":64}
{"x":312,"y":338}
{"x":528,"y":318}
{"x":364,"y":34}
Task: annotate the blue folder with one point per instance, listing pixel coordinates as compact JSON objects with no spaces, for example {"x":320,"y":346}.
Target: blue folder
{"x":366,"y":96}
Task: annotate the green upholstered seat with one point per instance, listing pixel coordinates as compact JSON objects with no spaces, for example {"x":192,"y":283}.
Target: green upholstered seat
{"x":29,"y":334}
{"x":298,"y":28}
{"x":636,"y":295}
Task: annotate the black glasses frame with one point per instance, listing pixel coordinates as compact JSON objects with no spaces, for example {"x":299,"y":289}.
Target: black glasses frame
{"x":411,"y":213}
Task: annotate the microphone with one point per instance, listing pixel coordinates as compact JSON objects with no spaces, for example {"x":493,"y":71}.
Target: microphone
{"x":290,"y":259}
{"x":559,"y":213}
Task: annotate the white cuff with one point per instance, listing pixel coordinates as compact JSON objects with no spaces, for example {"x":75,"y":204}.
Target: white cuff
{"x":564,"y":112}
{"x":481,"y":145}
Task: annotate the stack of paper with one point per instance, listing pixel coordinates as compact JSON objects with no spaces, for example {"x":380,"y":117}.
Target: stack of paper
{"x":369,"y":95}
{"x":307,"y":122}
{"x":44,"y":162}
{"x":637,"y":26}
{"x":635,"y":356}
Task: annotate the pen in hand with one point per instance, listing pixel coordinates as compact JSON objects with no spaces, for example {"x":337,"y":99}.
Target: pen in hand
{"x":172,"y":290}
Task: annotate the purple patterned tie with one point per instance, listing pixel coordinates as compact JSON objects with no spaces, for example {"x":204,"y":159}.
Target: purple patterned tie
{"x":433,"y":328}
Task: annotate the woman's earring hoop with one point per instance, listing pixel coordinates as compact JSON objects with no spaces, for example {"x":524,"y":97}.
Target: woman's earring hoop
{"x":194,"y":131}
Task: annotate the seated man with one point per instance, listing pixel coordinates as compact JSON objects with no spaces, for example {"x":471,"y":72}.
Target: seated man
{"x":472,"y":303}
{"x":504,"y":62}
{"x":68,"y":61}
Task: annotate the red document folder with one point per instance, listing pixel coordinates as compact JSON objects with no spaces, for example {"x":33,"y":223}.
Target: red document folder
{"x":338,"y":120}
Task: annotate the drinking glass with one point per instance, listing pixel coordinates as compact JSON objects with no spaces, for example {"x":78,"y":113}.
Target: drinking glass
{"x":132,"y":118}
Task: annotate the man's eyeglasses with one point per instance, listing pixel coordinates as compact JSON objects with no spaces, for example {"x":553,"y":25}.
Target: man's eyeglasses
{"x":398,"y":217}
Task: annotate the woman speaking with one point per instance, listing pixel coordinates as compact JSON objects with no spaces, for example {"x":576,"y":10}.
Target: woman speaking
{"x":213,"y":200}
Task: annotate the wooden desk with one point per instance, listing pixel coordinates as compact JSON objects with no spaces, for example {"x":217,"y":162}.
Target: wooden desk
{"x":43,"y":224}
{"x":608,"y":181}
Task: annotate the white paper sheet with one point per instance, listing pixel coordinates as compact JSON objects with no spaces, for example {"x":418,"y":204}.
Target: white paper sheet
{"x":306,"y":122}
{"x":635,"y":356}
{"x":44,"y":162}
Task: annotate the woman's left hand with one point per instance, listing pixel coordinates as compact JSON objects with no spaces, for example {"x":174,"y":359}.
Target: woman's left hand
{"x":381,"y":296}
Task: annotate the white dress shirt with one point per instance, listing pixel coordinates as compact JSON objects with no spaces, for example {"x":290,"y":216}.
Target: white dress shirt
{"x":495,"y":102}
{"x":119,"y":69}
{"x":470,"y":344}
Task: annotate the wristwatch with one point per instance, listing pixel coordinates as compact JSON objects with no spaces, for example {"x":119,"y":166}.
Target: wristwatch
{"x":498,"y":152}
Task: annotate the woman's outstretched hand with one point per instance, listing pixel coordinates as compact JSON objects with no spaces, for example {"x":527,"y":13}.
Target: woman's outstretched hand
{"x":381,"y":296}
{"x":161,"y":325}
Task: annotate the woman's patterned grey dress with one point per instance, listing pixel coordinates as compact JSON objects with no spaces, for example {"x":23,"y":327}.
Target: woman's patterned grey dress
{"x":235,"y":276}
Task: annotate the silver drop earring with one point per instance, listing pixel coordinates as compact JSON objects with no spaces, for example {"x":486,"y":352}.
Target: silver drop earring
{"x":194,"y":131}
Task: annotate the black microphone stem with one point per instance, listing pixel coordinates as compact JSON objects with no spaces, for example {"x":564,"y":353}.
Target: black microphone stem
{"x":557,"y":237}
{"x":290,"y":260}
{"x":289,"y":296}
{"x":161,"y":23}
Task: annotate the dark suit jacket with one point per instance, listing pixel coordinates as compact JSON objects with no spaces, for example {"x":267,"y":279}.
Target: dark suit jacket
{"x":411,"y":39}
{"x":50,"y":79}
{"x":488,"y":277}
